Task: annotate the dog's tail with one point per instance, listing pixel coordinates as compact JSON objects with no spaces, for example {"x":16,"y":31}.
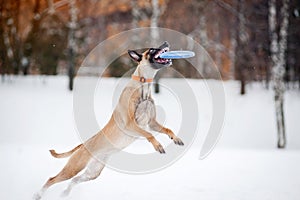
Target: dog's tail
{"x":66,"y":154}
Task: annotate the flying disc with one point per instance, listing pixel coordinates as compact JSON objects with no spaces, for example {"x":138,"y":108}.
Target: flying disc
{"x":177,"y":54}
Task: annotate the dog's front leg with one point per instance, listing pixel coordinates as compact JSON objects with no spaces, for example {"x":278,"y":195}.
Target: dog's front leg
{"x":157,"y":146}
{"x":154,"y":125}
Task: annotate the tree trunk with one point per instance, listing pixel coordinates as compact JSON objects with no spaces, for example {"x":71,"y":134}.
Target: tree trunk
{"x":2,"y":45}
{"x":135,"y":12}
{"x":156,"y":84}
{"x":137,"y":16}
{"x":155,"y":35}
{"x":72,"y":42}
{"x":203,"y":42}
{"x":71,"y":68}
{"x":28,"y":45}
{"x":278,"y":50}
{"x":232,"y":53}
{"x":241,"y":38}
{"x":154,"y":21}
{"x":218,"y":53}
{"x":9,"y":28}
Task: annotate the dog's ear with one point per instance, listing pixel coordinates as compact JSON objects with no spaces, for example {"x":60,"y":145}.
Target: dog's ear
{"x":135,"y":56}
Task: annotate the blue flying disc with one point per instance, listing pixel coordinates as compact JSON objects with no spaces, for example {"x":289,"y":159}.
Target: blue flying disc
{"x":177,"y":54}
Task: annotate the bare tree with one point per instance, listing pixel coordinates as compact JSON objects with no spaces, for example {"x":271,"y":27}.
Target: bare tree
{"x":72,"y":41}
{"x":241,"y":45}
{"x":138,"y":15}
{"x":29,"y":41}
{"x":154,"y":20}
{"x":156,"y":12}
{"x":204,"y":42}
{"x":203,"y":38}
{"x":278,"y":50}
{"x":9,"y":37}
{"x":135,"y":12}
{"x":218,"y":46}
{"x":233,"y":44}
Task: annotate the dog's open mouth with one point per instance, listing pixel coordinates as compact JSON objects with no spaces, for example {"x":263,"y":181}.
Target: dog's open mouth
{"x":160,"y":60}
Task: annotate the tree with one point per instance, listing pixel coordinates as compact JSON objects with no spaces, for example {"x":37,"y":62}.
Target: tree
{"x":241,"y":54}
{"x":29,"y":41}
{"x":9,"y":37}
{"x":52,"y":38}
{"x":72,"y":42}
{"x":155,"y":35}
{"x":278,"y":49}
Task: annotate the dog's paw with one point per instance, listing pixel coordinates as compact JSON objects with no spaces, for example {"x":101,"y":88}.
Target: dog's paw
{"x":159,"y":148}
{"x":178,"y":141}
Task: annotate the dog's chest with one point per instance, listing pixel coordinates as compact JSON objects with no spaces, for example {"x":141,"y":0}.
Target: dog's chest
{"x":145,"y":111}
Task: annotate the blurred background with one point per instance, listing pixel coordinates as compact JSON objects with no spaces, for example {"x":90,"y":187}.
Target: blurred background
{"x":52,"y":37}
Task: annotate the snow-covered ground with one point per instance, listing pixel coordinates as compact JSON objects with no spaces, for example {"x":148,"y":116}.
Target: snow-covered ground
{"x":36,"y":115}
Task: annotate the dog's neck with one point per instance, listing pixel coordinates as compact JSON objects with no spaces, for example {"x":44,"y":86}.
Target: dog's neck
{"x":145,"y":71}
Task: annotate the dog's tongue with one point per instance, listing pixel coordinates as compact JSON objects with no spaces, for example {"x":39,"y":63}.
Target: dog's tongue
{"x":162,"y":60}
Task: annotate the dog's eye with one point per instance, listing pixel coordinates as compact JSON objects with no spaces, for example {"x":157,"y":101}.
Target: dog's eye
{"x":151,"y":50}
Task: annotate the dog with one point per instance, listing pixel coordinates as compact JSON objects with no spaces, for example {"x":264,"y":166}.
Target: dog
{"x":134,"y":112}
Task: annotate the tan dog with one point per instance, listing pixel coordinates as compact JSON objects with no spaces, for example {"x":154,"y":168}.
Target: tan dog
{"x":134,"y":112}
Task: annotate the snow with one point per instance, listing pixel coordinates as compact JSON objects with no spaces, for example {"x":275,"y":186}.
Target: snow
{"x":36,"y":115}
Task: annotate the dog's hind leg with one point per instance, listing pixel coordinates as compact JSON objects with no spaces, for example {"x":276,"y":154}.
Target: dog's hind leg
{"x":76,"y":163}
{"x":93,"y":170}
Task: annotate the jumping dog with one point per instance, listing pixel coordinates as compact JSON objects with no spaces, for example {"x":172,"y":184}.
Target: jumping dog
{"x":134,"y":112}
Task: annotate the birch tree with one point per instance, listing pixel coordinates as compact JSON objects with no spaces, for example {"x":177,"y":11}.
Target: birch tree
{"x":136,"y":13}
{"x":278,"y":49}
{"x":9,"y":37}
{"x":7,"y":41}
{"x":154,"y":20}
{"x":29,"y":42}
{"x":137,"y":16}
{"x":204,"y":42}
{"x":218,"y":48}
{"x":238,"y":36}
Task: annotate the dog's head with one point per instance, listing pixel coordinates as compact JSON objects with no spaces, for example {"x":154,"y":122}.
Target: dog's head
{"x":151,"y":57}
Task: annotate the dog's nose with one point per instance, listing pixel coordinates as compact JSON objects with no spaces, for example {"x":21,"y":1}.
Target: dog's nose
{"x":164,"y":45}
